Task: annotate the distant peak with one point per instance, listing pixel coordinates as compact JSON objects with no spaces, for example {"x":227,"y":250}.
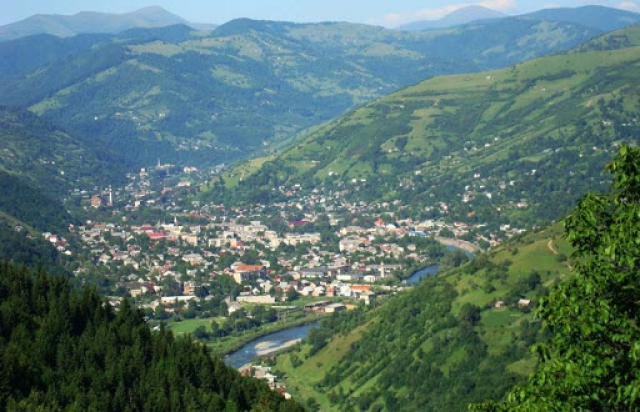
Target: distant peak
{"x":460,"y":16}
{"x":151,"y":10}
{"x":473,"y":12}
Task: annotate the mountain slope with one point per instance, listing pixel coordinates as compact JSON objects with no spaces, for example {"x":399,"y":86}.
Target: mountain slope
{"x":50,"y":159}
{"x":40,"y":165}
{"x":198,"y":97}
{"x":441,"y":345}
{"x":89,"y":22}
{"x":616,"y":40}
{"x":26,"y":213}
{"x":517,"y":146}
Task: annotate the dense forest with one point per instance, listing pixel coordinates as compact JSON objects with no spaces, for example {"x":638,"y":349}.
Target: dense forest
{"x":66,"y":351}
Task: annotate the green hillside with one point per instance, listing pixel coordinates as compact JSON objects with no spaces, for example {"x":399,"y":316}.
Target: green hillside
{"x":40,"y":164}
{"x":441,"y":345}
{"x":207,"y":97}
{"x":518,"y":145}
{"x":51,"y":159}
{"x":20,"y":246}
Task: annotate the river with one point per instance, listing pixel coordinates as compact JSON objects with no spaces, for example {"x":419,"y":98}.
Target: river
{"x":283,"y":339}
{"x":432,"y":270}
{"x":420,"y":274}
{"x":280,"y":340}
{"x":267,"y":344}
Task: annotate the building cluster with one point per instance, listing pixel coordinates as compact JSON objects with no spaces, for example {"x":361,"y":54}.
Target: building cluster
{"x":314,"y":243}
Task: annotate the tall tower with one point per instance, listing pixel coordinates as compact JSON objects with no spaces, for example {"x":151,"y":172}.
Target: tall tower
{"x":110,"y":196}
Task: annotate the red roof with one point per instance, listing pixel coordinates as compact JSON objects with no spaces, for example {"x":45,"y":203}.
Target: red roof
{"x":156,"y":235}
{"x":298,"y":222}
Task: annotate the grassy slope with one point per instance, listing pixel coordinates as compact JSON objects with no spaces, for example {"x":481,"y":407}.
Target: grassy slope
{"x":559,"y":115}
{"x":498,"y":326}
{"x":498,"y":98}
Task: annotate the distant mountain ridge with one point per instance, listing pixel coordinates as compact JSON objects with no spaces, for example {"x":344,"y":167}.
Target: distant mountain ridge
{"x":249,"y":86}
{"x":594,"y":17}
{"x":461,"y":16}
{"x":92,"y":22}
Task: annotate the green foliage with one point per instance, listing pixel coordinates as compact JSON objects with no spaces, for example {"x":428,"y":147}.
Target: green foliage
{"x":410,"y":374}
{"x":470,"y":313}
{"x":591,"y":361}
{"x":65,"y":351}
{"x":20,"y":248}
{"x":30,"y":206}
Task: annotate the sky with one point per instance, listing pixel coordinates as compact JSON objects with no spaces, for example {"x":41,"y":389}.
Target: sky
{"x":388,"y":13}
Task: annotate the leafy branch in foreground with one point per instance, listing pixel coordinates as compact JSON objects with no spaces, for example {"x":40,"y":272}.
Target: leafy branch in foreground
{"x":592,"y":360}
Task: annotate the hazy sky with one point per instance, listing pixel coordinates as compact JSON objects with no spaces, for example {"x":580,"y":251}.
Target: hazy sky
{"x":388,"y":13}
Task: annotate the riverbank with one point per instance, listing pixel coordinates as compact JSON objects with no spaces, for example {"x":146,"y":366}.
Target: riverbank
{"x":230,"y":344}
{"x":268,"y":345}
{"x":267,"y":348}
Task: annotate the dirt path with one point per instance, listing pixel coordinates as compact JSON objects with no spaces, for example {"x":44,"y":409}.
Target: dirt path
{"x":553,"y":250}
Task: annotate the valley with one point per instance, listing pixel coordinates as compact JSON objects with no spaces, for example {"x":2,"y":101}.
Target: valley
{"x":183,"y":191}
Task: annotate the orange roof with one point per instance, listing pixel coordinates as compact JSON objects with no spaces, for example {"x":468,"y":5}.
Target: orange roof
{"x":248,"y":268}
{"x":361,"y":288}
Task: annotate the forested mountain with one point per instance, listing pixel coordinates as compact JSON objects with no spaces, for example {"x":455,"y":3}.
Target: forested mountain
{"x":89,"y":22}
{"x":52,"y":160}
{"x":518,"y":145}
{"x":444,"y":344}
{"x":65,"y":351}
{"x":207,"y":97}
{"x":24,"y":55}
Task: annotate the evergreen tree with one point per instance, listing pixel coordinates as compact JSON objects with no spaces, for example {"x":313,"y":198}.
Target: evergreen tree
{"x":65,"y":351}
